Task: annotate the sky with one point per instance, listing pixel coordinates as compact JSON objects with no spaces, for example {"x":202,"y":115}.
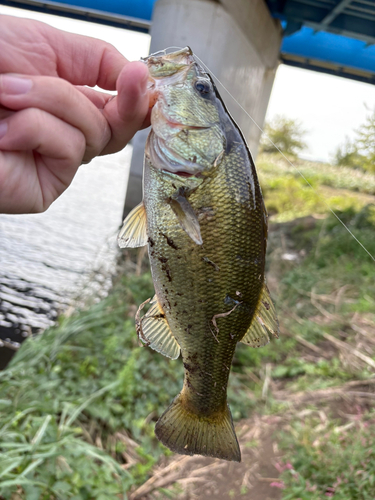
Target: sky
{"x":328,"y":107}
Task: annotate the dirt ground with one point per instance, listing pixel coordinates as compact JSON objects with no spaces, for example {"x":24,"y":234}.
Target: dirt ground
{"x":257,"y":476}
{"x":196,"y":478}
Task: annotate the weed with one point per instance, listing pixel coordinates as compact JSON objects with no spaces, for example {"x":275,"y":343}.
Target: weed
{"x":330,"y":460}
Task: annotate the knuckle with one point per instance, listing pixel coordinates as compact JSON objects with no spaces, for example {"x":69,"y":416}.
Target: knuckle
{"x":34,"y":121}
{"x":78,"y":148}
{"x":98,"y":139}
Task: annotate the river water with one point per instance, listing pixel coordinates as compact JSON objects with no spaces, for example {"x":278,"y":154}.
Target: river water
{"x":48,"y":260}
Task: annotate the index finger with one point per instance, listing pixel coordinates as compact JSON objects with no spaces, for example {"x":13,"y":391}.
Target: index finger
{"x":35,"y":48}
{"x":84,"y":60}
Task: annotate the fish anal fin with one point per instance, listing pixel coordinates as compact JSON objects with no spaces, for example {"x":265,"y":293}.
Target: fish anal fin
{"x":264,"y":322}
{"x":133,"y":233}
{"x":187,"y":433}
{"x":186,"y":217}
{"x":154,"y":330}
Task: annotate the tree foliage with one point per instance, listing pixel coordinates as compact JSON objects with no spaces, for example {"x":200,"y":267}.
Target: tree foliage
{"x":366,"y":141}
{"x":348,"y":155}
{"x":360,"y":152}
{"x":286,"y":135}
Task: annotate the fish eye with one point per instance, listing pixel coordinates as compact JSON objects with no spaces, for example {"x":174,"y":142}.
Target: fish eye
{"x":202,"y":87}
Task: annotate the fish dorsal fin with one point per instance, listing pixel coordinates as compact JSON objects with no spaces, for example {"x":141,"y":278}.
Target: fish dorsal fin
{"x":264,"y":322}
{"x":156,"y":332}
{"x":133,"y":233}
{"x":186,"y":217}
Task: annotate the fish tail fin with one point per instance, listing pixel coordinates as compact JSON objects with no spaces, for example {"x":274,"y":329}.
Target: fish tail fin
{"x":187,"y":433}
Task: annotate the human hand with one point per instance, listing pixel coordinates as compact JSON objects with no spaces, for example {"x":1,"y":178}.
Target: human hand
{"x":50,"y":122}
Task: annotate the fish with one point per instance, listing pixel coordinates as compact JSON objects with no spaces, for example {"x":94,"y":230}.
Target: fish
{"x":205,"y":224}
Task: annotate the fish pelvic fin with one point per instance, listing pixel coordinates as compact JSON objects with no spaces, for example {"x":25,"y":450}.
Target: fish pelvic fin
{"x":133,"y":233}
{"x":153,"y":329}
{"x":187,"y":433}
{"x":264,"y":322}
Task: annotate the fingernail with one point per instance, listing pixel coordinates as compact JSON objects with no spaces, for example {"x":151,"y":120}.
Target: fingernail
{"x":143,"y":90}
{"x":13,"y":85}
{"x":143,"y":85}
{"x":3,"y":129}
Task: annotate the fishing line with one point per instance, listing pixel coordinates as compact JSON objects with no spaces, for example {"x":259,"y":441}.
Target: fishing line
{"x":163,"y":52}
{"x":172,"y":47}
{"x":287,"y":159}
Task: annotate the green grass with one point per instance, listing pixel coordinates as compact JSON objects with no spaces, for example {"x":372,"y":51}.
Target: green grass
{"x":329,"y":459}
{"x":78,"y":404}
{"x":76,"y":385}
{"x":270,"y":165}
{"x":288,"y":195}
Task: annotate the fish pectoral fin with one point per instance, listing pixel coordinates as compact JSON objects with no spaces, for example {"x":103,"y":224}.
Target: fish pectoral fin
{"x":187,"y":218}
{"x":264,"y":322}
{"x":155,"y":331}
{"x":257,"y":334}
{"x":133,"y":233}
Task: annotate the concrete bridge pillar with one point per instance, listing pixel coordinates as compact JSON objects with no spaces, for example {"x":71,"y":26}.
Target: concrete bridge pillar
{"x":238,"y":40}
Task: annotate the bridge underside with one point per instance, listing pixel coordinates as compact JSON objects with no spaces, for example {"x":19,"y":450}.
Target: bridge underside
{"x":331,"y":36}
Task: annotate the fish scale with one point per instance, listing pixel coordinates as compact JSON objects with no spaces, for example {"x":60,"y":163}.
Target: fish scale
{"x":190,"y":275}
{"x":205,"y":224}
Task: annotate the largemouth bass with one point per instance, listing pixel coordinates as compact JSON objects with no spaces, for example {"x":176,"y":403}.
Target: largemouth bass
{"x":205,"y":224}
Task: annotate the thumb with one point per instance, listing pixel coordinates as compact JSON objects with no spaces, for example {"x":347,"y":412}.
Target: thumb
{"x":127,"y":112}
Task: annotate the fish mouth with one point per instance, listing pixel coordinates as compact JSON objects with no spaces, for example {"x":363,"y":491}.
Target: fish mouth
{"x":161,"y":64}
{"x":183,"y":55}
{"x":167,"y":69}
